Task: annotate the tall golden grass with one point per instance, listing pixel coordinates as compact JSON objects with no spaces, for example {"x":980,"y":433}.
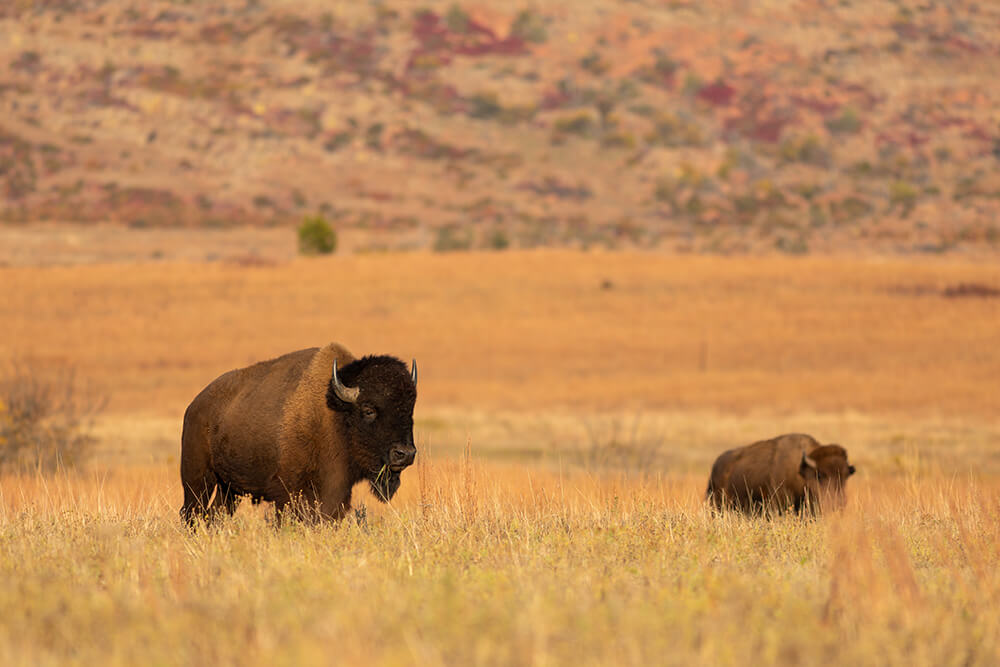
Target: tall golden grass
{"x":579,"y":399}
{"x":479,"y":563}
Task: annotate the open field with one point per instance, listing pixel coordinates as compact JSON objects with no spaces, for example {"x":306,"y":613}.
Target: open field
{"x":535,"y":330}
{"x":618,"y":238}
{"x":496,"y":564}
{"x":593,"y":390}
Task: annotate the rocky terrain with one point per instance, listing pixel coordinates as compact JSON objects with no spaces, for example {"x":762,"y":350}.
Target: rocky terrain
{"x":728,"y":126}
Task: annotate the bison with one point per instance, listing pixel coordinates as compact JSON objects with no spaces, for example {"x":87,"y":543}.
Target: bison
{"x":306,"y":426}
{"x":770,"y":476}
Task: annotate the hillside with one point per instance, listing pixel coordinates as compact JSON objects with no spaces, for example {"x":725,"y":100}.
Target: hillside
{"x":726,"y":126}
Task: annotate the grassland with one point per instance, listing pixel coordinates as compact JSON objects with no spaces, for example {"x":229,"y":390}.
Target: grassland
{"x":536,"y":330}
{"x":492,"y":564}
{"x":570,"y":405}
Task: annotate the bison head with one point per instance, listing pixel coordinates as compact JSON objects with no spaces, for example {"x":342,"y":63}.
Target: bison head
{"x":376,"y":395}
{"x":825,"y":471}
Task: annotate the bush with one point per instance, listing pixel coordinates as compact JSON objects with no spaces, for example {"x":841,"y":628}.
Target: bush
{"x":316,"y":236}
{"x":847,"y":122}
{"x":457,"y":20}
{"x":485,"y":105}
{"x":807,"y":149}
{"x":499,"y":240}
{"x":451,"y":238}
{"x":581,"y":123}
{"x":904,"y":195}
{"x":530,"y":27}
{"x":44,"y":425}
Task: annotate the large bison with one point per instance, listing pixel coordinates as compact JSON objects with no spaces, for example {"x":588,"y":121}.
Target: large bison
{"x":771,"y":476}
{"x":306,"y":426}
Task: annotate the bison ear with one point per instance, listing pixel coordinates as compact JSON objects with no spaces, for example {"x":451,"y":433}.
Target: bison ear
{"x":807,"y":466}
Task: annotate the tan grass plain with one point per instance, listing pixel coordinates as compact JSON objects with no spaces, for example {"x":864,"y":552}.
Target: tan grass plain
{"x":547,"y":545}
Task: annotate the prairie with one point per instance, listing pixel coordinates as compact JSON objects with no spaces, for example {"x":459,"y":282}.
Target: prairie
{"x":570,"y":406}
{"x":500,"y":564}
{"x":535,"y":329}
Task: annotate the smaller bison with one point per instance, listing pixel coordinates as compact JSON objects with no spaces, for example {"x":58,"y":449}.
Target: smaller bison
{"x":770,"y":476}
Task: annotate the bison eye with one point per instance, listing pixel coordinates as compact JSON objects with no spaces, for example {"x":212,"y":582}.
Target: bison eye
{"x":368,"y":413}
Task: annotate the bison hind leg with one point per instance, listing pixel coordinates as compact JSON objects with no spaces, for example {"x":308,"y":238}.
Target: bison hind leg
{"x":198,"y":496}
{"x":206,"y":498}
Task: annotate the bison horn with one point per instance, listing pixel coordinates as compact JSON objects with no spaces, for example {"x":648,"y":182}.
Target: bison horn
{"x":807,"y":462}
{"x":346,"y":394}
{"x":413,"y":372}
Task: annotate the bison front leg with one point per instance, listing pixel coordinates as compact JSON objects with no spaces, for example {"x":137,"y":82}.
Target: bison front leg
{"x":312,"y":507}
{"x":335,"y":505}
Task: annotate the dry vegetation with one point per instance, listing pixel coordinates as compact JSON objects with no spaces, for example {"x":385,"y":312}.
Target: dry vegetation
{"x":721,"y":126}
{"x":536,"y":330}
{"x":571,"y":401}
{"x":493,"y":564}
{"x":595,"y":390}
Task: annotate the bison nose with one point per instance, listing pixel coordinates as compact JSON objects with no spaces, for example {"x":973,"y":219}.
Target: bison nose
{"x":401,"y":456}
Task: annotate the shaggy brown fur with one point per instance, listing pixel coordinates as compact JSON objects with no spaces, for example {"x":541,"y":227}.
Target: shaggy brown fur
{"x":278,"y":431}
{"x":770,"y":476}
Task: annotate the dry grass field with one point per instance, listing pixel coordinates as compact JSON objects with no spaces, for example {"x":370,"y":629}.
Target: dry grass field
{"x":495,"y":564}
{"x":535,"y":330}
{"x":570,"y":406}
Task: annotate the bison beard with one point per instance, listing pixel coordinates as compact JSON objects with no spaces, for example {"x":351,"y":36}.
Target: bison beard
{"x":385,"y":484}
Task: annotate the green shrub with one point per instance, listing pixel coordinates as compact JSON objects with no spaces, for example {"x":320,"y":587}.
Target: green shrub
{"x":675,"y":130}
{"x":847,"y":122}
{"x":316,"y":236}
{"x":485,"y":105}
{"x":595,"y":63}
{"x":530,"y":27}
{"x":792,"y":245}
{"x":456,"y":19}
{"x":807,"y":149}
{"x":499,"y":240}
{"x":903,"y":194}
{"x":450,"y":239}
{"x":581,"y":123}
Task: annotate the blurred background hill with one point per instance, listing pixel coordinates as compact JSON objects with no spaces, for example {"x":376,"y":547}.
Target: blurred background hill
{"x":724,"y":126}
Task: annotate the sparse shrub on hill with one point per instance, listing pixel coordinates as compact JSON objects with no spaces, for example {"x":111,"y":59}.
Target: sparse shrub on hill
{"x":44,"y":425}
{"x":498,"y":240}
{"x":485,"y":105}
{"x":581,"y":124}
{"x":451,"y":238}
{"x":675,"y":129}
{"x":456,"y":19}
{"x":529,"y":26}
{"x":595,"y":63}
{"x":903,"y":195}
{"x":847,"y":122}
{"x":316,"y":236}
{"x":805,"y":149}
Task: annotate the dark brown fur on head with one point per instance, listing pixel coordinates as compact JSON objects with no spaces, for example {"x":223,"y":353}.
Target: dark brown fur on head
{"x":825,"y":473}
{"x":380,"y":419}
{"x":831,"y":463}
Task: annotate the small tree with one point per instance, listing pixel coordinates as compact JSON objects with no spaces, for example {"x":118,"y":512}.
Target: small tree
{"x":316,"y":236}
